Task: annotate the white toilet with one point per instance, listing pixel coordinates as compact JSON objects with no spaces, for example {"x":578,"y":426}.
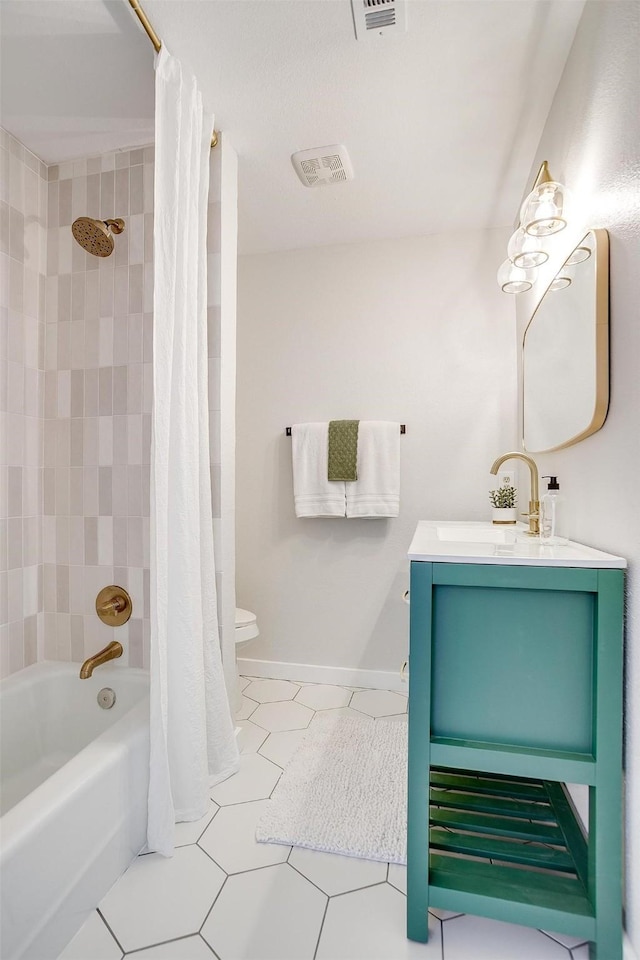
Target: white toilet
{"x":246,"y":629}
{"x":246,"y":626}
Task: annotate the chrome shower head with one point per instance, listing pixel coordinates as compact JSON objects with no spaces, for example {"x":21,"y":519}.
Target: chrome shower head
{"x":95,"y":236}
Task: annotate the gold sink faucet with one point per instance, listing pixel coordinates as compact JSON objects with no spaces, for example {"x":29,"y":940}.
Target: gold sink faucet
{"x":112,"y":651}
{"x":534,"y":502}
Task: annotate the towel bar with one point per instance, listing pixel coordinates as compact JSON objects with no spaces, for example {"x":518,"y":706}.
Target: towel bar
{"x":403,"y":429}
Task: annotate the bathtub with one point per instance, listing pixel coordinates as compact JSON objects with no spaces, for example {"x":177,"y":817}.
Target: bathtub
{"x":74,"y":798}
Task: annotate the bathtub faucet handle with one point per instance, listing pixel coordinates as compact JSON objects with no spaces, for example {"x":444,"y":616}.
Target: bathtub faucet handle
{"x":113,"y":605}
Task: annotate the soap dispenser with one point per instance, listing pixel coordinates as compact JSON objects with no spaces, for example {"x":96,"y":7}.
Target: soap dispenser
{"x":553,"y":518}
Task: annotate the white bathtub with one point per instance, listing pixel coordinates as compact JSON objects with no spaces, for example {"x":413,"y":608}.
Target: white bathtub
{"x":74,"y":798}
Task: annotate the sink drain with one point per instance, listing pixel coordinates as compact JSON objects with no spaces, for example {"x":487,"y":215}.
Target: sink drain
{"x":106,"y":698}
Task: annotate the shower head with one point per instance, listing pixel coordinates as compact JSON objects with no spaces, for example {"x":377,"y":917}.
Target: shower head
{"x":94,"y":236}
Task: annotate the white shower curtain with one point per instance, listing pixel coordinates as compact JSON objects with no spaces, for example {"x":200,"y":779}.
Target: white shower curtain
{"x":192,"y":736}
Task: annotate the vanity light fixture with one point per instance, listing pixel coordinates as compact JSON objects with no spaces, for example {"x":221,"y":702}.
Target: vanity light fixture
{"x":541,"y":215}
{"x":526,"y":251}
{"x":512,"y":279}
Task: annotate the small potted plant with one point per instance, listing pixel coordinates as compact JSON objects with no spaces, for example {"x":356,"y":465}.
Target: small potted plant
{"x":503,"y":501}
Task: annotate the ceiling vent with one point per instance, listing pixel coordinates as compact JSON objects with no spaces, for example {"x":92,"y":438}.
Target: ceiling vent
{"x":323,"y":165}
{"x":378,"y":18}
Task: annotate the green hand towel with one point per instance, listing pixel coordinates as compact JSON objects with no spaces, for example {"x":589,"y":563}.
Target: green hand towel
{"x":343,"y":449}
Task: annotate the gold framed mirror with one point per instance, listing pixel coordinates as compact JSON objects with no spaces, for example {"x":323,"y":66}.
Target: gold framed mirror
{"x":565,"y":352}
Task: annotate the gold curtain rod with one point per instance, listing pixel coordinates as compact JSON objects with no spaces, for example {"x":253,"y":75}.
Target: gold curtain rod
{"x":157,"y":44}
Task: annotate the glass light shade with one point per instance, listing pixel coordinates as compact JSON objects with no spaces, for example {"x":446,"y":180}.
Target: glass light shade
{"x":525,"y":250}
{"x":512,"y":279}
{"x":544,"y":211}
{"x":560,"y":282}
{"x":578,"y":256}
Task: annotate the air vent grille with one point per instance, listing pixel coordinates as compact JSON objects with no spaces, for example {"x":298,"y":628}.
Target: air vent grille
{"x":377,"y":18}
{"x":321,"y":166}
{"x":379,"y":13}
{"x":381,"y":18}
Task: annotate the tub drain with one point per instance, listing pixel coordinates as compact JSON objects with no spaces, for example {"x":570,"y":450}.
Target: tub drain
{"x":106,"y":698}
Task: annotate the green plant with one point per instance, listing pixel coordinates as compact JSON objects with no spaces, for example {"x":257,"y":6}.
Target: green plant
{"x":503,"y":497}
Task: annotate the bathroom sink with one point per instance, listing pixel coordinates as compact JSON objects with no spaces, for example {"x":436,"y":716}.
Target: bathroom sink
{"x":476,"y":533}
{"x":468,"y":541}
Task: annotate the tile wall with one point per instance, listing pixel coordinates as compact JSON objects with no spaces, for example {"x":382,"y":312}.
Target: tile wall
{"x":76,"y":402}
{"x":97,"y":406}
{"x":23,"y":211}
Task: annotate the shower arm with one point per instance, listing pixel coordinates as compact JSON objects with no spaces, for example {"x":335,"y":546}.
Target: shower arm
{"x":157,"y":43}
{"x":116,"y":226}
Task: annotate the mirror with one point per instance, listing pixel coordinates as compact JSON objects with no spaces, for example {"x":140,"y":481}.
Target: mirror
{"x":565,"y":377}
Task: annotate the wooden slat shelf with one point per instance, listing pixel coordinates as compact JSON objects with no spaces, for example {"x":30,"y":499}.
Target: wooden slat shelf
{"x":483,"y":803}
{"x":498,"y":826}
{"x":496,"y":786}
{"x":547,"y":877}
{"x":498,"y":882}
{"x":492,"y":891}
{"x":476,"y":795}
{"x":502,"y":849}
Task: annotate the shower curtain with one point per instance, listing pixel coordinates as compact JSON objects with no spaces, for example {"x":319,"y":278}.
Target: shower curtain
{"x":192,"y":735}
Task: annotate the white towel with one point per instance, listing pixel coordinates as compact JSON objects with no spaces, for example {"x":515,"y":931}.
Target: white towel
{"x":314,"y":495}
{"x":376,"y":492}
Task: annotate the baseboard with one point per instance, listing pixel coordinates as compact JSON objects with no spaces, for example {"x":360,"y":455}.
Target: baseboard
{"x":315,"y":673}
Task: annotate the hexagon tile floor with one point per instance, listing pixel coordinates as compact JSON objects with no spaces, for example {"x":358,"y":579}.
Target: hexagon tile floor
{"x":222,"y":895}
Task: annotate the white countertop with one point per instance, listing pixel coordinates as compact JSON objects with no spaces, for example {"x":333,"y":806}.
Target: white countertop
{"x":449,"y":541}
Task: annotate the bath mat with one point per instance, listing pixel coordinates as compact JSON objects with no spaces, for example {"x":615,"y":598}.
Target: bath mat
{"x":344,"y":791}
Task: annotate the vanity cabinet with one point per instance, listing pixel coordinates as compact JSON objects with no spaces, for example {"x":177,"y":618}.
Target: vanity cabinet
{"x":515,"y":689}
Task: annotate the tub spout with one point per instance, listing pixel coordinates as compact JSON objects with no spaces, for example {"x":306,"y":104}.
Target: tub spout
{"x":112,"y":651}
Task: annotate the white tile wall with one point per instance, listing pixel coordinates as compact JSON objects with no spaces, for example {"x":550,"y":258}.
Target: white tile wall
{"x":23,"y":213}
{"x":76,"y":380}
{"x":96,"y":412}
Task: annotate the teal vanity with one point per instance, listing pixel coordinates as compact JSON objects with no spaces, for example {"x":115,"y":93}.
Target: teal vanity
{"x":515,"y":688}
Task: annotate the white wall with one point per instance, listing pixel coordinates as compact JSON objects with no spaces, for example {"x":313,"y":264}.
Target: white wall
{"x":412,"y":330}
{"x":591,"y":141}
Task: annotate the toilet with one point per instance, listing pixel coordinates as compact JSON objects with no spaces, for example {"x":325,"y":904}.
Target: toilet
{"x":246,"y":629}
{"x":246,"y":626}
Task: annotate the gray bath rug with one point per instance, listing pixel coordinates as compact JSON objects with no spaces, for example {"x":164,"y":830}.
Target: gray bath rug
{"x":344,"y":791}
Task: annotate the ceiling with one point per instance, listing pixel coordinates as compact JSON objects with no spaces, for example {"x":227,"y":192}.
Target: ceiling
{"x":441,"y":122}
{"x":76,"y":77}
